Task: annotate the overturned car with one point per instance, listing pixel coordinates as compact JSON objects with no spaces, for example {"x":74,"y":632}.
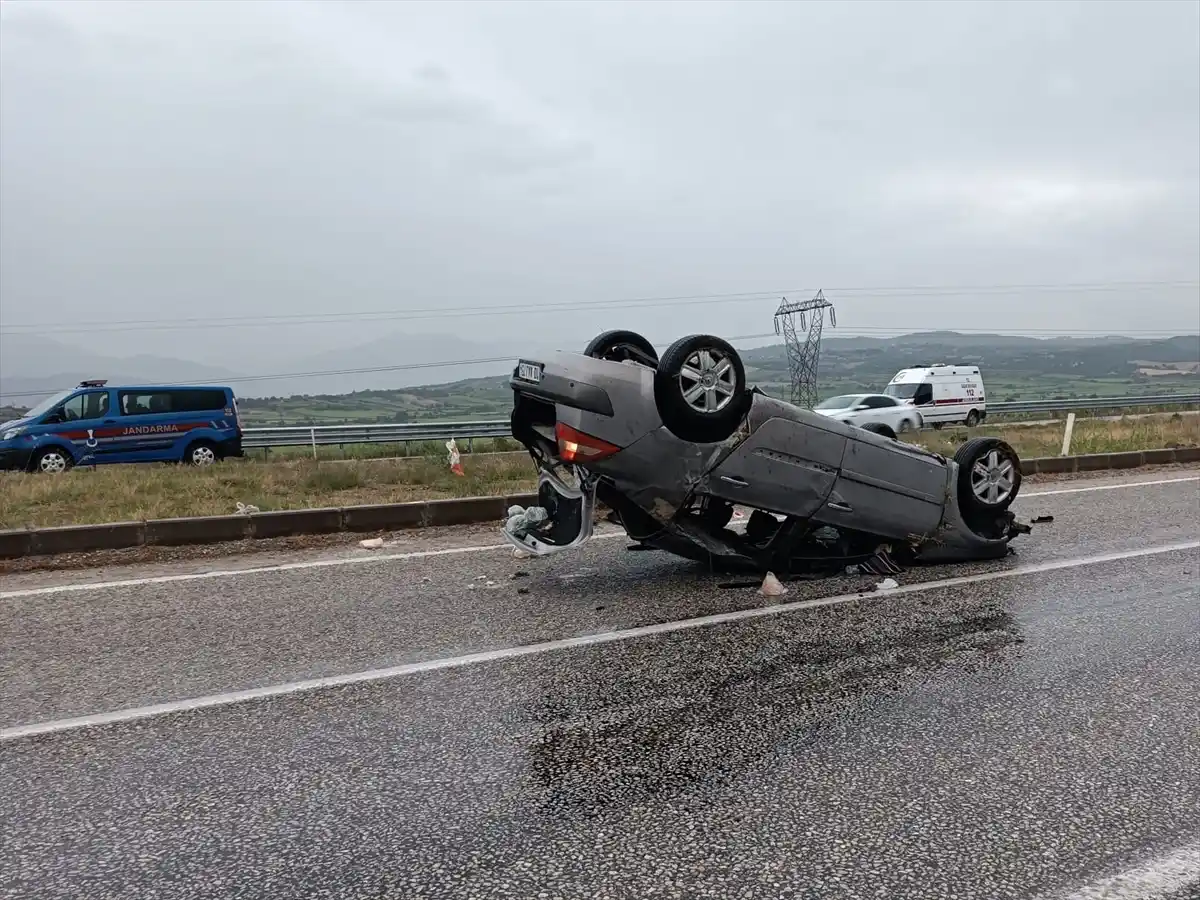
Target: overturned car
{"x":672,"y":445}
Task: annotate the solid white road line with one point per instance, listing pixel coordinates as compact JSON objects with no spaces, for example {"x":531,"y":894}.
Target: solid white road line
{"x":425,"y":554}
{"x":1151,"y":880}
{"x":605,"y":637}
{"x":1108,"y":487}
{"x":259,"y":570}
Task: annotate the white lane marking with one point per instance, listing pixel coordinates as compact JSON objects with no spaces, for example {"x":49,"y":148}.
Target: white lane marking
{"x":424,"y":554}
{"x":259,"y":570}
{"x":1108,"y":487}
{"x":586,"y":640}
{"x":1151,"y":880}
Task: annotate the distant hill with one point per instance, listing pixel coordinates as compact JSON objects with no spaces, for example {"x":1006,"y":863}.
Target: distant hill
{"x":1014,"y":368}
{"x":33,"y":366}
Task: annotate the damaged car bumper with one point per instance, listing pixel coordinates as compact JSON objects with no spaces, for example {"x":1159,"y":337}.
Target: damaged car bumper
{"x":562,"y":520}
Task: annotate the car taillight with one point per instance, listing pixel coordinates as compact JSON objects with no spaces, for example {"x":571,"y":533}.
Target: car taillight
{"x":576,"y":447}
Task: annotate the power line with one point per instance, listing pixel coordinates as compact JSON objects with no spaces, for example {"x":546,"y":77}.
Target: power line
{"x":394,"y":315}
{"x":871,"y":331}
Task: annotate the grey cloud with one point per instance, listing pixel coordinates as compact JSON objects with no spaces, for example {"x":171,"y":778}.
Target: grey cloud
{"x":237,"y":158}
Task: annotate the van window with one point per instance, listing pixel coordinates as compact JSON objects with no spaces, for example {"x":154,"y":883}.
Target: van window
{"x":924,"y":394}
{"x":150,"y":403}
{"x":90,"y":405}
{"x":902,"y":391}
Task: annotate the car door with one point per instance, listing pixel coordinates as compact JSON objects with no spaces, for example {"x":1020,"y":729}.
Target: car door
{"x":886,"y":410}
{"x":85,"y":421}
{"x":147,"y":431}
{"x":887,"y":487}
{"x":876,"y":409}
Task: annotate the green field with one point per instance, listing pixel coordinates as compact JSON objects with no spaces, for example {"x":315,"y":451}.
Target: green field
{"x":1013,"y":368}
{"x":136,"y":492}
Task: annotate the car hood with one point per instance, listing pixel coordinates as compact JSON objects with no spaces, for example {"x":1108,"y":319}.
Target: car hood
{"x":15,"y":423}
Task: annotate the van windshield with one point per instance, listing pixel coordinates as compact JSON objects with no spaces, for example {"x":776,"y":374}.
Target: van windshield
{"x":48,"y":404}
{"x":902,"y":391}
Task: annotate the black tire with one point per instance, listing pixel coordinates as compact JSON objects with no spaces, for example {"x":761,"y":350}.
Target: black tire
{"x":201,"y":454}
{"x":880,"y":428}
{"x":681,"y":418}
{"x":973,"y":418}
{"x":42,"y":462}
{"x":617,"y":346}
{"x":974,"y":451}
{"x":938,"y":426}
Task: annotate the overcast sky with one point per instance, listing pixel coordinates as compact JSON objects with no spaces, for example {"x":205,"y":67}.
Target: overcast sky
{"x":178,"y":159}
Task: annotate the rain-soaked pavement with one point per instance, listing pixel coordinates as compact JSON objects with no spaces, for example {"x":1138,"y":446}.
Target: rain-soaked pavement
{"x":1017,"y":736}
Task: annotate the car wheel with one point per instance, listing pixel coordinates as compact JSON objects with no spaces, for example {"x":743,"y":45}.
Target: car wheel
{"x":972,"y":418}
{"x":906,"y":425}
{"x":201,"y":453}
{"x":937,"y":426}
{"x":880,"y":428}
{"x":52,"y":461}
{"x":700,"y":389}
{"x":989,"y":474}
{"x":619,"y":346}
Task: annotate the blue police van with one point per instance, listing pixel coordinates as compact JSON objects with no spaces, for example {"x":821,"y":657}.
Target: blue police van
{"x":94,"y":424}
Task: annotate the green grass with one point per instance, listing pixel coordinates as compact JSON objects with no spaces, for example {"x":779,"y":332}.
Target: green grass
{"x":131,"y":493}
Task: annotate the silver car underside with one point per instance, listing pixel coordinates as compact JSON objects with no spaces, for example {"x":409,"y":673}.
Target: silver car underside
{"x":826,"y":493}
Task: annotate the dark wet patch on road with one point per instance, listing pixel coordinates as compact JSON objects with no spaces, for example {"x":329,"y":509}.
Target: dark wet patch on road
{"x":715,"y":713}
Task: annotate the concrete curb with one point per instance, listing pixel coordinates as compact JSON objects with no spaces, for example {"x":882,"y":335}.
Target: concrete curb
{"x":398,"y":516}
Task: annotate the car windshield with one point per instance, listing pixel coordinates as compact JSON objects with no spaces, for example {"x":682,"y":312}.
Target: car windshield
{"x":48,"y":404}
{"x":845,"y":401}
{"x":902,"y":391}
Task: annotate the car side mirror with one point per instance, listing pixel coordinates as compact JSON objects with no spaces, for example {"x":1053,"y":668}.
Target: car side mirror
{"x":861,"y":407}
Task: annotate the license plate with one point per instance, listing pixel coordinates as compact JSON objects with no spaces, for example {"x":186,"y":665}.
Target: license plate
{"x":528,"y":371}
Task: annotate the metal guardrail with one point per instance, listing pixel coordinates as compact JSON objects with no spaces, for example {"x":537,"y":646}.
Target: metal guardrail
{"x":329,"y":435}
{"x":417,"y":432}
{"x":1093,"y":403}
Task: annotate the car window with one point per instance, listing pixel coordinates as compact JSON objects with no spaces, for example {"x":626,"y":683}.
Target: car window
{"x":150,"y":403}
{"x":843,"y":401}
{"x":879,"y":402}
{"x":88,"y":405}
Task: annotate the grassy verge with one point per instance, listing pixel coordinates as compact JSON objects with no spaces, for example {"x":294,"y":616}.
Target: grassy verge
{"x":123,"y":493}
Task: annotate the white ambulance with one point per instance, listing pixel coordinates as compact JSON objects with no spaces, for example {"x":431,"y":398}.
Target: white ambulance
{"x":944,"y":395}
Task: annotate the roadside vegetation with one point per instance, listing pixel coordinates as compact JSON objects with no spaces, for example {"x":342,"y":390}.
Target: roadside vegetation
{"x":131,"y":493}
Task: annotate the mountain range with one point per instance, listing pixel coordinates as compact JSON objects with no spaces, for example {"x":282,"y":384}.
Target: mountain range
{"x":33,"y":366}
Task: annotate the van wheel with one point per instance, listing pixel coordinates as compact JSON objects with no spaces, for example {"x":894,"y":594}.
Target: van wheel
{"x":989,"y":475}
{"x":201,"y":453}
{"x":973,"y":418}
{"x":52,"y":461}
{"x":619,"y":346}
{"x":700,"y":389}
{"x":937,"y":426}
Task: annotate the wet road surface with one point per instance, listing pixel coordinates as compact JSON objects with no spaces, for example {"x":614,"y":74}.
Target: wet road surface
{"x":1006,"y":735}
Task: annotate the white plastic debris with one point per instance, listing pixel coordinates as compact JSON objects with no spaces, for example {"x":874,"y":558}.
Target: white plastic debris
{"x":521,"y":521}
{"x":371,"y":543}
{"x":888,"y":584}
{"x":455,"y":459}
{"x":245,"y":509}
{"x":518,"y":553}
{"x":772,"y":587}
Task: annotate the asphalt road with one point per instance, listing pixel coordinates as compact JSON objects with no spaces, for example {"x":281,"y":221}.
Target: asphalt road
{"x":1030,"y":728}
